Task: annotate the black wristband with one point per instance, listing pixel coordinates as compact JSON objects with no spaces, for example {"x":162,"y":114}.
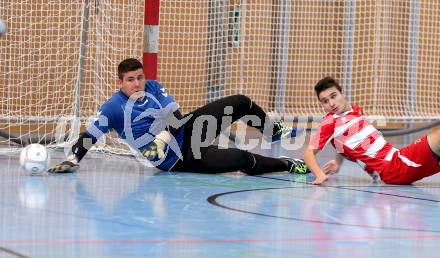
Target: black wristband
{"x":82,"y":145}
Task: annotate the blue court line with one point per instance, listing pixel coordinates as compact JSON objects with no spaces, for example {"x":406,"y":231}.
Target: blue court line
{"x":11,"y":252}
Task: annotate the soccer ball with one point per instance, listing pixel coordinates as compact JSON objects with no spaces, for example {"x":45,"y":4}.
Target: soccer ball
{"x":34,"y":158}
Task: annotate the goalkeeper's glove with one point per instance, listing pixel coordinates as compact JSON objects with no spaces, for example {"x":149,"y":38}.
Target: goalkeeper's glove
{"x":68,"y":166}
{"x":156,"y":149}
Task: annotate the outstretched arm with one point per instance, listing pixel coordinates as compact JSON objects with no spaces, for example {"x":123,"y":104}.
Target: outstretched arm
{"x":79,"y":150}
{"x":312,"y":164}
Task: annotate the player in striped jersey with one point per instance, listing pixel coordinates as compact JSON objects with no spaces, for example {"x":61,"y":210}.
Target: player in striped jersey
{"x":355,"y":139}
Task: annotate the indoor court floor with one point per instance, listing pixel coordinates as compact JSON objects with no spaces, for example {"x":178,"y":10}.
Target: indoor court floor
{"x":116,"y":207}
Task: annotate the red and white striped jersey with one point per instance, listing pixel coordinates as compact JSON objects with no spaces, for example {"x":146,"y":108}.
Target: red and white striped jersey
{"x":356,"y":139}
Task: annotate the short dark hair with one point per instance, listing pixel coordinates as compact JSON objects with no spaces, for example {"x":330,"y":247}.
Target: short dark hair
{"x":128,"y":65}
{"x":326,"y":83}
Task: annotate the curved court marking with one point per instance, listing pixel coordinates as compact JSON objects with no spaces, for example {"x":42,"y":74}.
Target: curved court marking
{"x":359,"y":190}
{"x":11,"y":252}
{"x":213,"y":200}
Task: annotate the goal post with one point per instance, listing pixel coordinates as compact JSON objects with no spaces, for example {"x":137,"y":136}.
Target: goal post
{"x":51,"y":78}
{"x":385,"y":53}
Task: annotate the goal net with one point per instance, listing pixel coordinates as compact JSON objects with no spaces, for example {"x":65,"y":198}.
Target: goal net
{"x":58,"y":59}
{"x":58,"y":64}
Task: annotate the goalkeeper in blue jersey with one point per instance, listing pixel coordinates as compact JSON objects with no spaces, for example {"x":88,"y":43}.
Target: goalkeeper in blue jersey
{"x":147,"y":117}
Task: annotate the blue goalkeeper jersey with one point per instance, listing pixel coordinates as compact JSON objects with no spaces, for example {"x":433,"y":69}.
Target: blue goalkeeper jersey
{"x":139,"y":121}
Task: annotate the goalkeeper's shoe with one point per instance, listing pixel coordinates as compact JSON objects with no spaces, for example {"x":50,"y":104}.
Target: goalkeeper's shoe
{"x":64,"y":167}
{"x":285,"y":132}
{"x":296,"y":166}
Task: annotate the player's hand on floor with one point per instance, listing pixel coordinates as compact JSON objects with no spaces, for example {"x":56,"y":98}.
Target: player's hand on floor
{"x":331,"y":167}
{"x":155,"y":149}
{"x":64,"y":167}
{"x":319,"y":180}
